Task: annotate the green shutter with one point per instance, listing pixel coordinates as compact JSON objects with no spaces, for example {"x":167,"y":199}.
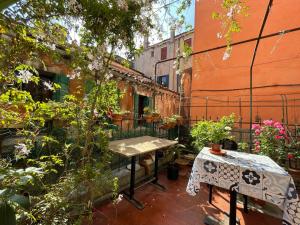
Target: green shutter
{"x":89,"y":85}
{"x":63,"y":81}
{"x":150,"y":104}
{"x":136,"y":108}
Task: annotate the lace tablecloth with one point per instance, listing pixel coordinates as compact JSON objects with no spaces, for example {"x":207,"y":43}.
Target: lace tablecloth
{"x":249,"y":174}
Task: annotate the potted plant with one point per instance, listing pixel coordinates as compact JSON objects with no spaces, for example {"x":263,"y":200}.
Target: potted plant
{"x":126,"y":114}
{"x":179,"y":119}
{"x":148,"y":115}
{"x":173,"y":168}
{"x":208,"y":132}
{"x":155,"y":116}
{"x":269,"y":140}
{"x":168,"y":123}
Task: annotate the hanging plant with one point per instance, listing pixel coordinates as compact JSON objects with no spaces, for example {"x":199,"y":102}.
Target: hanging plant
{"x":232,"y":11}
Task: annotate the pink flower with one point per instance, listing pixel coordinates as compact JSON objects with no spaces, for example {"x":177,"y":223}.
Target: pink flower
{"x":278,"y":125}
{"x":257,"y":143}
{"x":268,"y":122}
{"x":282,"y":131}
{"x":257,"y":132}
{"x":290,"y":156}
{"x":279,"y":137}
{"x":257,"y":148}
{"x":255,"y":126}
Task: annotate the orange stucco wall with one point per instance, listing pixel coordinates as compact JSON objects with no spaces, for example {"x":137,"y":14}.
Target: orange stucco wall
{"x":276,"y":70}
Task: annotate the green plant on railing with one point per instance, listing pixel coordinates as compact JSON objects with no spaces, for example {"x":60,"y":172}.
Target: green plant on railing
{"x":243,"y":146}
{"x":210,"y":132}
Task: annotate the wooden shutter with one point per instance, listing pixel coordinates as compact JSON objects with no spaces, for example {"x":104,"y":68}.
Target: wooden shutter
{"x":163,"y":53}
{"x":63,"y":81}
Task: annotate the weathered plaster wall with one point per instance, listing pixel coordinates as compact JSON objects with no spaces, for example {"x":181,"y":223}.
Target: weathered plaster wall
{"x":275,"y":72}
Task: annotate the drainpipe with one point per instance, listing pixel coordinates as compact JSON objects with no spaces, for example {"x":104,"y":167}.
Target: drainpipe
{"x":251,"y":71}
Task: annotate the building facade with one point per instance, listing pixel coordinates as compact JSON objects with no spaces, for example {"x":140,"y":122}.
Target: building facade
{"x":166,"y":74}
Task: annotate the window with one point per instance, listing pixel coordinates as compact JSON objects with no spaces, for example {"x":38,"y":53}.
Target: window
{"x":188,"y":42}
{"x":163,"y":80}
{"x":163,"y":53}
{"x":152,"y":53}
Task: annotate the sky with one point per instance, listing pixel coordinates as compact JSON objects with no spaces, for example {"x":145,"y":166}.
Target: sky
{"x":165,"y":20}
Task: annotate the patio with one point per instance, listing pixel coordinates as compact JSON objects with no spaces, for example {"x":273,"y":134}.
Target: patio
{"x":138,"y":112}
{"x":174,"y":207}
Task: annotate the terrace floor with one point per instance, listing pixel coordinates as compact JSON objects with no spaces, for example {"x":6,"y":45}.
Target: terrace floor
{"x":174,"y":207}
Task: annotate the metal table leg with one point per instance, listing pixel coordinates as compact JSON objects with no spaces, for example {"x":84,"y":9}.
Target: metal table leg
{"x":130,"y":196}
{"x":155,"y":181}
{"x":232,"y":212}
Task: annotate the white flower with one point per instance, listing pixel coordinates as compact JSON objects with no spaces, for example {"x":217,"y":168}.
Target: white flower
{"x":75,"y":74}
{"x":123,"y":4}
{"x":22,"y":149}
{"x":228,"y":128}
{"x":48,"y":85}
{"x":226,"y":55}
{"x":96,"y":114}
{"x":25,"y":76}
{"x":108,"y":76}
{"x":119,"y":199}
{"x":230,"y":13}
{"x":90,"y":56}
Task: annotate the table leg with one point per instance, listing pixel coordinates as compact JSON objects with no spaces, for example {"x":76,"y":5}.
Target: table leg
{"x":155,"y":181}
{"x":232,"y":213}
{"x":130,"y":197}
{"x":210,"y":187}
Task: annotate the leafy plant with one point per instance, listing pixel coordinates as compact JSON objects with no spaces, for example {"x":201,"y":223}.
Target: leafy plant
{"x":211,"y":132}
{"x":270,"y":139}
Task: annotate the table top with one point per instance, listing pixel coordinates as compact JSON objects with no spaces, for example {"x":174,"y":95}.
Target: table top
{"x":139,"y":145}
{"x":245,"y":160}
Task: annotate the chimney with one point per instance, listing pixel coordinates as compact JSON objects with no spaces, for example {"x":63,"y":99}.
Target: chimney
{"x":146,"y":41}
{"x":172,"y":34}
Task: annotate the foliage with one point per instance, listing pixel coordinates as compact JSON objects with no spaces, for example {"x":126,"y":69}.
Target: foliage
{"x":210,"y":132}
{"x":270,"y":139}
{"x":232,"y":11}
{"x":243,"y":146}
{"x":62,"y":169}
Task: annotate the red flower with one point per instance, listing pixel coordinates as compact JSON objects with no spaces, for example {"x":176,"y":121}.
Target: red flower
{"x":290,"y":156}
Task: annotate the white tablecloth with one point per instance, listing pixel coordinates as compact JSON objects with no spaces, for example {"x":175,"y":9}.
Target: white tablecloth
{"x":253,"y":175}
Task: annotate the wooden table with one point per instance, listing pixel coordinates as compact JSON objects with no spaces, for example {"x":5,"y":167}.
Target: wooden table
{"x":133,"y":147}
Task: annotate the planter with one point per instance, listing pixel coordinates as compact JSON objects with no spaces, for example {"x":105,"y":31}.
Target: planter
{"x":148,"y":118}
{"x":126,"y":116}
{"x":173,"y":172}
{"x":116,"y":117}
{"x":216,"y":147}
{"x":172,"y":124}
{"x":156,"y":117}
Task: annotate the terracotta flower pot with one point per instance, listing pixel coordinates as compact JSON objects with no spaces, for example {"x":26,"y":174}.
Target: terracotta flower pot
{"x":148,"y":118}
{"x":156,"y":117}
{"x":216,"y":147}
{"x":116,"y":117}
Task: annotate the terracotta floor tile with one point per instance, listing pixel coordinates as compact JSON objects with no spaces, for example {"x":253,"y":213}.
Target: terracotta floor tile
{"x":173,"y":207}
